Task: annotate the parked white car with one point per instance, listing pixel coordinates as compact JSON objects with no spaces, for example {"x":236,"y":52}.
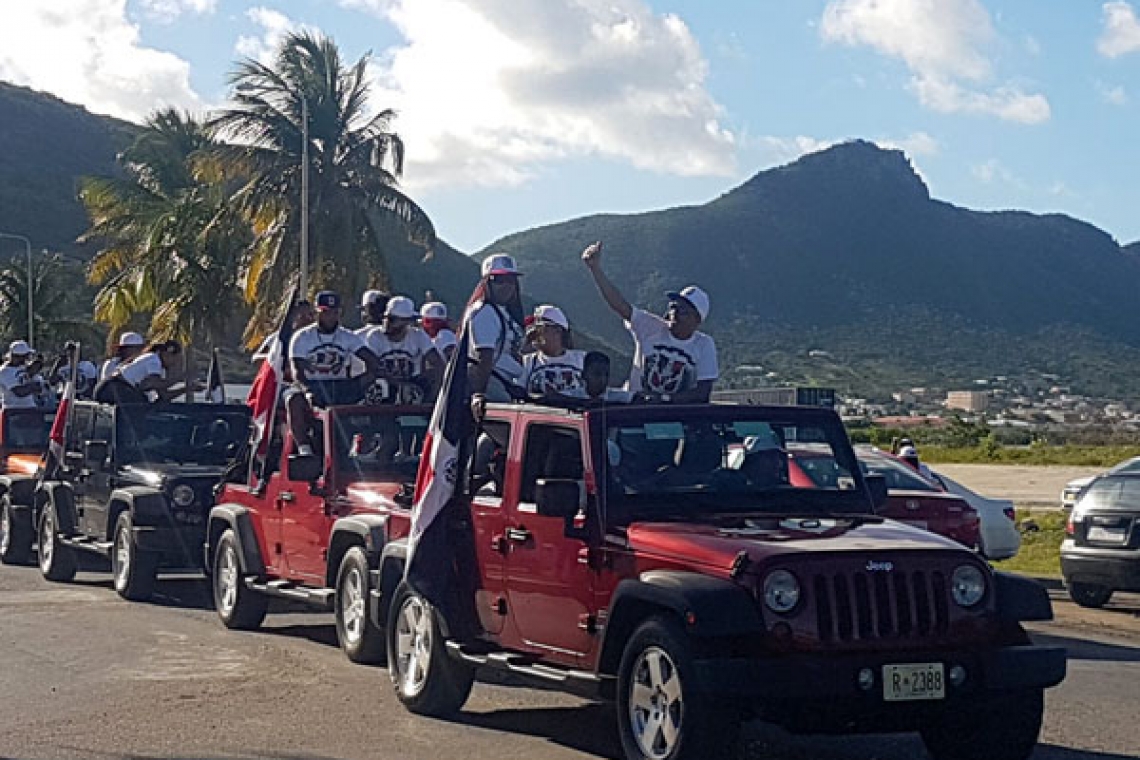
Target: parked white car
{"x":999,"y":537}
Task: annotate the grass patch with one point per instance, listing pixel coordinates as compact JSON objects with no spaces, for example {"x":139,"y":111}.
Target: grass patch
{"x":1040,"y":549}
{"x":1086,"y":456}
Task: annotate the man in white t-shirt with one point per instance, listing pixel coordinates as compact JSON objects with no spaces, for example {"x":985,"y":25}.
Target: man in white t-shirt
{"x":554,"y":368}
{"x":408,"y":358}
{"x":323,"y":351}
{"x":673,"y":360}
{"x":18,"y":389}
{"x":433,"y":321}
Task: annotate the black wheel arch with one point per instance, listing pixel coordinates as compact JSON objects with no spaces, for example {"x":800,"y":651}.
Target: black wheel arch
{"x":237,"y":518}
{"x":1020,"y":599}
{"x":706,"y":607}
{"x":366,"y":530}
{"x":60,"y":495}
{"x":393,"y":558}
{"x":147,"y":506}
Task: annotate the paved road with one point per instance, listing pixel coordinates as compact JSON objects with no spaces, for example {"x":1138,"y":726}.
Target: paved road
{"x":1027,"y":485}
{"x":86,"y":675}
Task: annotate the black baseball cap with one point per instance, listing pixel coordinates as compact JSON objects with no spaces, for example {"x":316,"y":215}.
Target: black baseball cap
{"x":328,"y":299}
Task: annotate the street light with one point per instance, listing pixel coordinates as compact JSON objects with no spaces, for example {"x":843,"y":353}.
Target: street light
{"x":31,"y":310}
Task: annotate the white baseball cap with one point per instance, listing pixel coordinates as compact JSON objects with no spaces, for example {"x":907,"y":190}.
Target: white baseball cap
{"x":131,"y":339}
{"x":400,"y":306}
{"x":500,"y":263}
{"x":434,"y":310}
{"x":19,"y":348}
{"x":908,"y":452}
{"x":551,"y":314}
{"x":694,"y":295}
{"x":370,"y":297}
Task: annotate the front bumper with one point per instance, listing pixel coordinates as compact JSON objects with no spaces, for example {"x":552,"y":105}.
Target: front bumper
{"x":180,"y":549}
{"x":1120,"y":573}
{"x":786,"y":685}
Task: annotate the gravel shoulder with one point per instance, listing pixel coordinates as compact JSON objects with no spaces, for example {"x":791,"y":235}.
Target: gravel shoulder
{"x":1028,"y":486}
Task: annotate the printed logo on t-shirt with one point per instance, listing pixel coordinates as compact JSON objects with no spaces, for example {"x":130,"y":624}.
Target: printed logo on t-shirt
{"x":668,"y":369}
{"x":328,"y":359}
{"x":554,"y":378}
{"x":399,"y":364}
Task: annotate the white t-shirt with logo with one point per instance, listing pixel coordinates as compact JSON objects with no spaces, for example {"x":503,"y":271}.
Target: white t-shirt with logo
{"x":10,"y":377}
{"x":548,"y":375}
{"x":443,"y":340}
{"x":400,"y":359}
{"x":493,"y":327}
{"x":86,"y":376}
{"x":329,"y":355}
{"x":142,"y":367}
{"x":665,"y":364}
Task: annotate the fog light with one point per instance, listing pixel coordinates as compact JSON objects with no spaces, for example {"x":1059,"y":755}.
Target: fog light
{"x":957,"y":675}
{"x":866,"y":679}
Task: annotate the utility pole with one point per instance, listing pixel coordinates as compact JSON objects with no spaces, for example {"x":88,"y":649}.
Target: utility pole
{"x":304,"y":197}
{"x":31,"y":308}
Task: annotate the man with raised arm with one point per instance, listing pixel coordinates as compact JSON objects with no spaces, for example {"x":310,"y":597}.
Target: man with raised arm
{"x":673,"y":361}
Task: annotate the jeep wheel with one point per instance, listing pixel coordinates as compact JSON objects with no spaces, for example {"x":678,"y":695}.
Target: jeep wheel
{"x":16,"y":534}
{"x":359,"y":637}
{"x":57,"y":561}
{"x":132,"y":570}
{"x":1089,"y":594}
{"x":660,"y":717}
{"x":428,"y":680}
{"x":239,"y":607}
{"x":1002,"y":726}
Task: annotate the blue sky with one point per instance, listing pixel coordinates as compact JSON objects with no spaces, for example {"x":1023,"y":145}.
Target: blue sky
{"x":525,"y":112}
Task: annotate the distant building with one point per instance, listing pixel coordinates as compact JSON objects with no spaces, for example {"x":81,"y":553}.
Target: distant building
{"x":789,"y":396}
{"x":968,"y":401}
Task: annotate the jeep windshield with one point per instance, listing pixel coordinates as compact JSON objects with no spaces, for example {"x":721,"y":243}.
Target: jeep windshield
{"x":27,"y":430}
{"x":378,"y":443}
{"x":205,"y":434}
{"x":670,"y":463}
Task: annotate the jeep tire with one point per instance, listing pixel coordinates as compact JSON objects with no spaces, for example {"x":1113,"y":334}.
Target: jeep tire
{"x":133,"y":570}
{"x":57,"y":560}
{"x":1089,"y":594}
{"x":660,"y":714}
{"x":360,"y":638}
{"x":428,"y":680}
{"x":239,"y":607}
{"x":16,"y":534}
{"x":1002,"y":726}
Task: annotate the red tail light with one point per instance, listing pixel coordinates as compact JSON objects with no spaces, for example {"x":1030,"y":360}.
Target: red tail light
{"x":1069,"y":530}
{"x":1008,"y":512}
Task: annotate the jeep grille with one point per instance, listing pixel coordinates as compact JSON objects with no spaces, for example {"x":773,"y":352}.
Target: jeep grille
{"x":860,"y":606}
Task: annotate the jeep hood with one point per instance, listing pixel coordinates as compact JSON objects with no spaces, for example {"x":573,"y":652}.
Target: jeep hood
{"x":717,"y":542}
{"x":154,"y":473}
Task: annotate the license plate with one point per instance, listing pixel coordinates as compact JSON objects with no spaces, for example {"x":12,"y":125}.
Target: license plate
{"x":913,"y":682}
{"x":1108,"y":535}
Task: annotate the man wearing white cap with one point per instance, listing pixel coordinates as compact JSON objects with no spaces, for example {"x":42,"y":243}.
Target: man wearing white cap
{"x":555,"y":368}
{"x":496,"y":333}
{"x":673,"y":360}
{"x":408,"y":358}
{"x":372,"y":308}
{"x":434,"y":322}
{"x":130,"y":345}
{"x":18,"y":389}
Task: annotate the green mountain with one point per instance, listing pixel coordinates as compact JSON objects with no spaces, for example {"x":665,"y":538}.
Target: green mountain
{"x":845,"y":252}
{"x":46,"y":145}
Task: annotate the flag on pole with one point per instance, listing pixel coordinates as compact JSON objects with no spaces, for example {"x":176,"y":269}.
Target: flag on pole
{"x":215,"y":384}
{"x":268,"y":385}
{"x":57,"y":438}
{"x":436,"y":551}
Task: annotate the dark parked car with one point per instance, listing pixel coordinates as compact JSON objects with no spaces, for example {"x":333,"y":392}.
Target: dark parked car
{"x":1101,"y":554}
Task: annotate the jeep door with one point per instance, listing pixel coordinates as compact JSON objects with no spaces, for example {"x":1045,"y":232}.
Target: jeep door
{"x":306,"y":521}
{"x":99,"y":474}
{"x":78,"y":431}
{"x":549,"y":578}
{"x":493,"y":473}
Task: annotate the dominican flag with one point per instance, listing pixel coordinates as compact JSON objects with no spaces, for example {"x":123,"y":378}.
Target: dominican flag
{"x":440,"y":546}
{"x":215,"y":385}
{"x":57,"y":438}
{"x":267,"y":386}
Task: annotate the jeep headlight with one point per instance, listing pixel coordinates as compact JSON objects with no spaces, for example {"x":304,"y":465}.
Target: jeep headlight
{"x":182,"y":495}
{"x":967,"y":585}
{"x":781,"y":591}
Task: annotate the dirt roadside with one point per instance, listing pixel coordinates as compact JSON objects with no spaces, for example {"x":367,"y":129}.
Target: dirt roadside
{"x":1037,"y":487}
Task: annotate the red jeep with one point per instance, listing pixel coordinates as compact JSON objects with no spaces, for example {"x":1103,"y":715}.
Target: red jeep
{"x":623,"y":553}
{"x":316,"y":531}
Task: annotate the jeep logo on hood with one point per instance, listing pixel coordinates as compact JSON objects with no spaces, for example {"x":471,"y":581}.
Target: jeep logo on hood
{"x":879,"y":567}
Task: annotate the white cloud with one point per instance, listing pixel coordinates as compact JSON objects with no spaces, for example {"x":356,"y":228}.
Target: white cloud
{"x":784,"y":150}
{"x":88,"y":52}
{"x":916,"y":144}
{"x":490,"y":90}
{"x":274,"y":26}
{"x":1113,"y":95}
{"x":1121,"y":33}
{"x":943,"y":44}
{"x":167,"y":11}
{"x":994,"y":171}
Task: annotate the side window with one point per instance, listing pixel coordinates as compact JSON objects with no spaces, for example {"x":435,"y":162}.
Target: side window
{"x":104,"y":424}
{"x":489,"y":462}
{"x":80,"y":428}
{"x":552,"y":453}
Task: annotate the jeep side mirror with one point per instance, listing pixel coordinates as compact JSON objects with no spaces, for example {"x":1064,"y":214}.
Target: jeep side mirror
{"x":303,"y":469}
{"x":558,"y":498}
{"x":95,"y":453}
{"x":877,"y":485}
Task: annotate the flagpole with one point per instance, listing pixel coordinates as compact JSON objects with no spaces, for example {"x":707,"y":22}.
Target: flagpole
{"x":304,"y":197}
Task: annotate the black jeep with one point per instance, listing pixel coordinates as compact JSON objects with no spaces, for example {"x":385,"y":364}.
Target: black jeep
{"x":136,"y":486}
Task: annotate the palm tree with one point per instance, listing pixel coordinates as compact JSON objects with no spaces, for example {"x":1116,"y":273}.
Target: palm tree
{"x":355,"y":162}
{"x":172,"y":243}
{"x":57,"y":292}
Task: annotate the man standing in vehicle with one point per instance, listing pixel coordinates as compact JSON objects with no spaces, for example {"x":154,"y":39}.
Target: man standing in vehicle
{"x":17,"y":386}
{"x":673,"y":361}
